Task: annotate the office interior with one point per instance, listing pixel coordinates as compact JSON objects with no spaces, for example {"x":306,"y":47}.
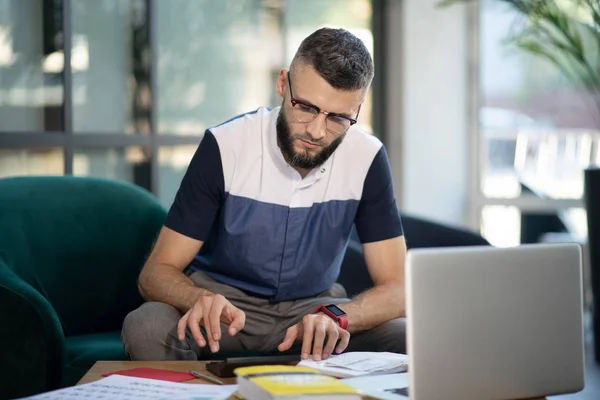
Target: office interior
{"x":482,"y":135}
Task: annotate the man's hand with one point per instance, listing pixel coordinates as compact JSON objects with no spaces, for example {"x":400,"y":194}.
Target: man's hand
{"x":313,"y":329}
{"x":209,"y":311}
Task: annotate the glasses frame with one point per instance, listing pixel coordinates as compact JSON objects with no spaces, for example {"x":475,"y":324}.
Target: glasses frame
{"x":319,"y":111}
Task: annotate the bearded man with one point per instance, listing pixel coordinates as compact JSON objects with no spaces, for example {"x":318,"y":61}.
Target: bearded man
{"x":252,"y":246}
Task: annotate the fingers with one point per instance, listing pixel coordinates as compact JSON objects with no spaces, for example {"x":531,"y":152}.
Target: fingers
{"x":214,"y":316}
{"x":207,"y":304}
{"x":332,"y":338}
{"x":321,"y":334}
{"x":209,"y":311}
{"x":238,"y":321}
{"x":307,"y":337}
{"x":344,"y":336}
{"x":181,"y":325}
{"x":288,"y":340}
{"x":194,"y":324}
{"x":220,"y":308}
{"x":321,"y":330}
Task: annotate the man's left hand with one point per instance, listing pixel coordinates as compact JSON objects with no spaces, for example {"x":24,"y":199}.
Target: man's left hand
{"x":313,"y":330}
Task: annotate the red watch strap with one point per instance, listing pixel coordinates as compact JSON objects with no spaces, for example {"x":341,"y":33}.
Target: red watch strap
{"x":342,"y":320}
{"x":321,"y":309}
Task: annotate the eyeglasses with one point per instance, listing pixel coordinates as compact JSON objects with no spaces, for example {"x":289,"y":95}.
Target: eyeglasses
{"x":305,"y":113}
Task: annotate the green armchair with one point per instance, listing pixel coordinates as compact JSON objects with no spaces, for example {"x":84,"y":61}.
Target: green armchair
{"x":71,"y":249}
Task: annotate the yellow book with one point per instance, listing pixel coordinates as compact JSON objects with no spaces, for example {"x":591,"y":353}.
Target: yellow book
{"x":288,"y":382}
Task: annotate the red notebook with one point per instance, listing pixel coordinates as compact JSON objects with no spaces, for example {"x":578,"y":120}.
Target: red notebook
{"x":155,"y":373}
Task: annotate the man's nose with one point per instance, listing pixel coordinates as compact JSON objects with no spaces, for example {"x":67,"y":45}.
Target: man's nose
{"x":318,"y":127}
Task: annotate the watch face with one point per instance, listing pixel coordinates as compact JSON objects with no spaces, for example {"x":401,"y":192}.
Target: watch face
{"x":336,"y":310}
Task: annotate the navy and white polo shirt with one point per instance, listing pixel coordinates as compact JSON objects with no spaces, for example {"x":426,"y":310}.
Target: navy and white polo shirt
{"x":266,"y":230}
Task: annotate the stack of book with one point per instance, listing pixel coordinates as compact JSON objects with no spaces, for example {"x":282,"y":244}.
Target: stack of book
{"x":285,"y":382}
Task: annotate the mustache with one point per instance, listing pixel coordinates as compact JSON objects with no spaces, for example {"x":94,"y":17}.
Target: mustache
{"x":307,"y":138}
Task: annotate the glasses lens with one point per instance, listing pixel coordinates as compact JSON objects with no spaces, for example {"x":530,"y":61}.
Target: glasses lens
{"x":304,"y":113}
{"x":337,"y":124}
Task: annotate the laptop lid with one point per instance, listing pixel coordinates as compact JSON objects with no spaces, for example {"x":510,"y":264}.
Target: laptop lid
{"x":495,"y":323}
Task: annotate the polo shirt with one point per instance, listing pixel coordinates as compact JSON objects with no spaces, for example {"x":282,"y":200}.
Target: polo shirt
{"x":266,"y":230}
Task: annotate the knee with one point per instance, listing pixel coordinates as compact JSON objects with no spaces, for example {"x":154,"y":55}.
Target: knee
{"x":150,"y":318}
{"x":391,"y":336}
{"x":148,"y":325}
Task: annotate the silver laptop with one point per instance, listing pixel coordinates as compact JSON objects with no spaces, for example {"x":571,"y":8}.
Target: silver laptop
{"x":491,"y":323}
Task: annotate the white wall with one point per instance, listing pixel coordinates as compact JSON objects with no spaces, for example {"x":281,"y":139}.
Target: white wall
{"x":428,"y":108}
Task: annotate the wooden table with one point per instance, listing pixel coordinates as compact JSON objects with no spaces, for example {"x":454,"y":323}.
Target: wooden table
{"x":103,"y":367}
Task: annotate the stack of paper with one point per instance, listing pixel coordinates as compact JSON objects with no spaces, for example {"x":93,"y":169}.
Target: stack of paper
{"x":360,"y":363}
{"x":117,"y":387}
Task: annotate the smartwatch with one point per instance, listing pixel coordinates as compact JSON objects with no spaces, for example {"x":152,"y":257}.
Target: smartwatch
{"x":335,"y":313}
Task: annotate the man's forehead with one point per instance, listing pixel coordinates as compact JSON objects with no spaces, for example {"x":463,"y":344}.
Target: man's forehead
{"x":310,"y":87}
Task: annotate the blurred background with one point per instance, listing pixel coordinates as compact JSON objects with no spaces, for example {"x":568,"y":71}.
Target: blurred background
{"x":482,"y":132}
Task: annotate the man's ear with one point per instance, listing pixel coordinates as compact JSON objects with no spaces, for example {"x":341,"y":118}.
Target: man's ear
{"x":281,"y":82}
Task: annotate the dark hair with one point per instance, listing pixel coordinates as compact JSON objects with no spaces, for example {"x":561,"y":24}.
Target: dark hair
{"x":339,"y":57}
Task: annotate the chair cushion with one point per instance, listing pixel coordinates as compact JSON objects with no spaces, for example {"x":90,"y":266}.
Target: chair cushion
{"x":83,"y":351}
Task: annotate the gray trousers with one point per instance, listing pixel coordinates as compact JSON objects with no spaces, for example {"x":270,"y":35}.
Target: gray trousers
{"x":150,"y":332}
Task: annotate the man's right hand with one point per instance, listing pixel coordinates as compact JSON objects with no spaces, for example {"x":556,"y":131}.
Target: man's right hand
{"x":209,"y":311}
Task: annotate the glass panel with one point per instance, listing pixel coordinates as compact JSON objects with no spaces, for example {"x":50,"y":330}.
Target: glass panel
{"x":31,"y":65}
{"x":14,"y":162}
{"x":499,"y":179}
{"x":575,"y":221}
{"x":501,"y":225}
{"x":172,"y":164}
{"x":530,"y":116}
{"x":303,"y":17}
{"x":551,"y":163}
{"x":562,"y":225}
{"x":110,"y":66}
{"x":217,"y":59}
{"x":127,"y":164}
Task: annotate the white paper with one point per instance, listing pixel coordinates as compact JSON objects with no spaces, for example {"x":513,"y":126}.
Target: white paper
{"x":118,"y":387}
{"x":359,"y":363}
{"x":380,"y":386}
{"x":368,"y":361}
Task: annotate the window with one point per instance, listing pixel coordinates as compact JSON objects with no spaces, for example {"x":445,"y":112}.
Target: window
{"x":125,"y":89}
{"x":110,"y":75}
{"x":31,"y":59}
{"x":538,"y":132}
{"x":216,"y":59}
{"x":38,"y":161}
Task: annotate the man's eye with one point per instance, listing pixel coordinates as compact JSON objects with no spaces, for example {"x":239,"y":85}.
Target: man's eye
{"x":306,"y":109}
{"x":338,"y":120}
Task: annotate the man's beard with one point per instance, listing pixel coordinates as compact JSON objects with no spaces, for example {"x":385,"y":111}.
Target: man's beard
{"x":302,"y":160}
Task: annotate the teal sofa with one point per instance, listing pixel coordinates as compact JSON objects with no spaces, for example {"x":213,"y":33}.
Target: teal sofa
{"x":71,"y":249}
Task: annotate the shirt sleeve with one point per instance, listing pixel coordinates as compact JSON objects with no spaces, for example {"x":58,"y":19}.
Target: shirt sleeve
{"x":377,"y":217}
{"x":201,"y":192}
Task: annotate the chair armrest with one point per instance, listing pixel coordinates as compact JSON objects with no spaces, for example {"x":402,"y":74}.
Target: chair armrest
{"x":33,"y":350}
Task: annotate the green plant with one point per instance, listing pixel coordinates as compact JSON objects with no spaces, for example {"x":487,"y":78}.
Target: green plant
{"x":564,"y":32}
